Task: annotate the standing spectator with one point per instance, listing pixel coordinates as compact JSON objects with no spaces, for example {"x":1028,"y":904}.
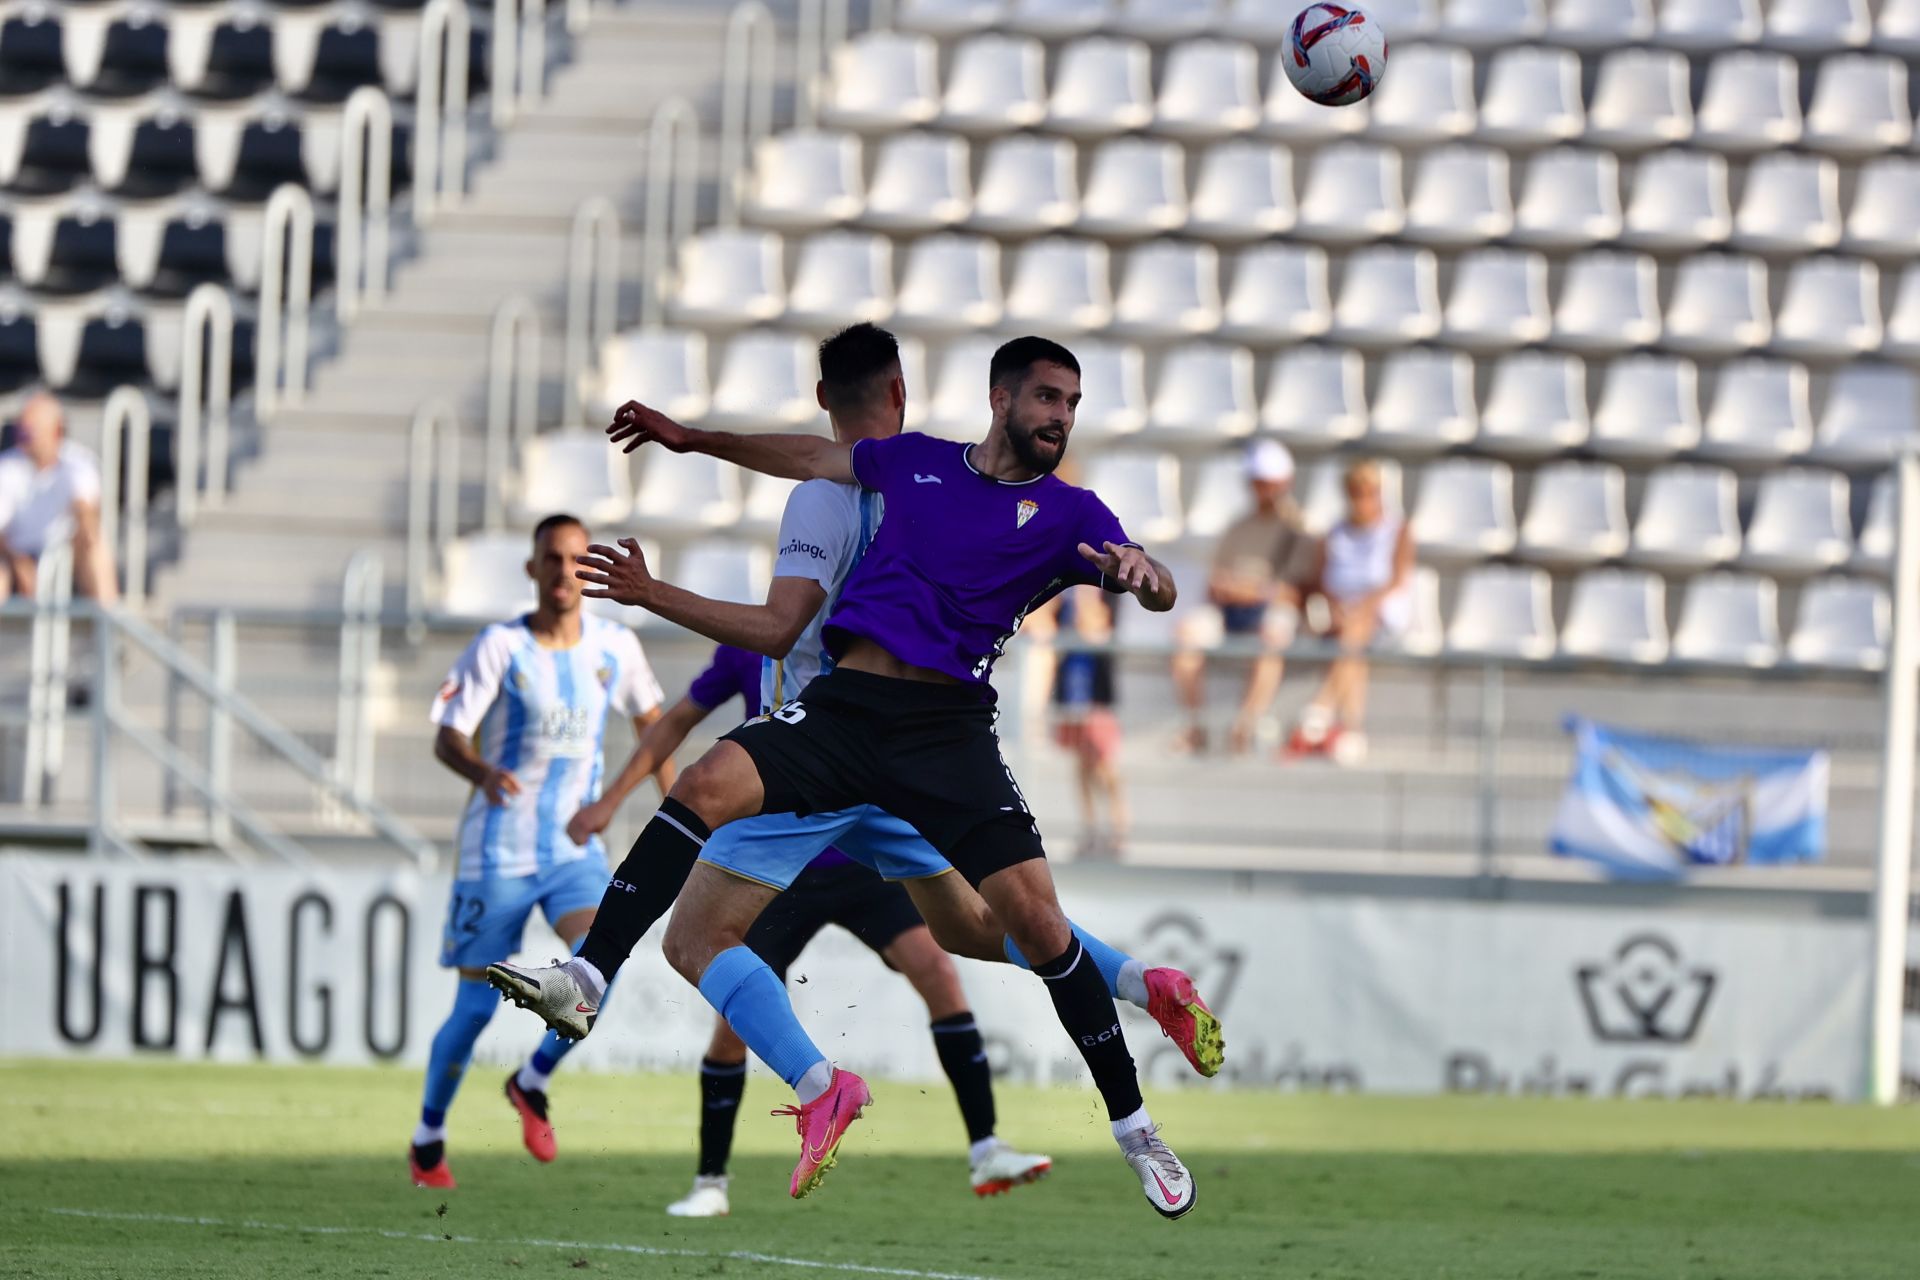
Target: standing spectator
{"x":1264,"y":558}
{"x":1366,"y":575}
{"x":1084,"y":720}
{"x":49,"y":493}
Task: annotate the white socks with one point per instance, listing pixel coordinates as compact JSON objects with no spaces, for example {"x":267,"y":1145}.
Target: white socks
{"x":588,"y":977}
{"x":531,"y":1079}
{"x":814,"y":1082}
{"x":1130,"y":1124}
{"x":982,"y":1149}
{"x":1132,"y":983}
{"x":423,"y":1134}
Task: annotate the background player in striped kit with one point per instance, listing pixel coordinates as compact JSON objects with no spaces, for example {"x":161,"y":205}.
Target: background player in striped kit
{"x":522,"y":716}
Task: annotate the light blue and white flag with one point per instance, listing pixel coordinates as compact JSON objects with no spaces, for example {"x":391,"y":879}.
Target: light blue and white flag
{"x":1647,"y":807}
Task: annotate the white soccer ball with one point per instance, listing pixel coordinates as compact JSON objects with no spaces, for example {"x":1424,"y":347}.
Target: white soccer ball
{"x":1335,"y":54}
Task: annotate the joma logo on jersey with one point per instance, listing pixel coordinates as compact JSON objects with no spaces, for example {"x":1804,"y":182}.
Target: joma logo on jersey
{"x":1024,"y":511}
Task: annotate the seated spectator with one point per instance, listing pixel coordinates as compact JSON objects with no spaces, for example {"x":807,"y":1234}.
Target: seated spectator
{"x":50,"y":493}
{"x":1084,"y":721}
{"x":1366,"y":575}
{"x":1265,"y":558}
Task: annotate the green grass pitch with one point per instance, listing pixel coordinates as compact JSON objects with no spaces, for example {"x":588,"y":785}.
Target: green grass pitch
{"x":154,"y":1170}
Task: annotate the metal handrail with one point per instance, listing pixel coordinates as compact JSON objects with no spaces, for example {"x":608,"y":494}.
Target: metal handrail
{"x":440,"y":122}
{"x":206,"y":355}
{"x":48,"y":648}
{"x":673,"y":164}
{"x":519,"y":58}
{"x":366,"y":190}
{"x":746,"y":97}
{"x":593,"y":295}
{"x":126,"y":415}
{"x":353,"y":741}
{"x":513,"y":399}
{"x":286,"y":295}
{"x":440,"y":523}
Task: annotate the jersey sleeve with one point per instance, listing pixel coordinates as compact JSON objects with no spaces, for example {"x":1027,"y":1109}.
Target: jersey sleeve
{"x":712,"y":687}
{"x":815,"y":534}
{"x":83,"y":475}
{"x":473,"y":683}
{"x":1098,"y":526}
{"x":877,"y":464}
{"x":637,"y":690}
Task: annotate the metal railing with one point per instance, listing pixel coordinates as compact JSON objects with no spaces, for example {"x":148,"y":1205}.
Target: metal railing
{"x":366,"y":191}
{"x":49,"y":653}
{"x":361,"y":604}
{"x":513,"y":400}
{"x":746,"y":98}
{"x":433,"y":500}
{"x":440,"y":112}
{"x":126,"y":430}
{"x":204,"y":419}
{"x":673,"y":166}
{"x":593,"y":297}
{"x":286,"y":296}
{"x":518,"y":77}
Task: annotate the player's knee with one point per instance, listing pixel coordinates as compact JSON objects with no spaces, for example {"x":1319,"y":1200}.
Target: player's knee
{"x":710,"y":786}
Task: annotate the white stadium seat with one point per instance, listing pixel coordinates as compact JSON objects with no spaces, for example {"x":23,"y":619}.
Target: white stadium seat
{"x":914,"y":373}
{"x":958,"y":407}
{"x":1427,"y":97}
{"x":1844,"y":623}
{"x":1464,"y":510}
{"x":765,"y":504}
{"x":1056,"y":19}
{"x":1143,"y":489}
{"x":1061,"y":283}
{"x":804,"y":179}
{"x":1688,"y":518}
{"x":1801,"y":522}
{"x":1205,"y":390}
{"x":1730,"y":619}
{"x":1426,"y":632}
{"x":1816,"y":26}
{"x":1353,"y":193}
{"x":1503,"y":611}
{"x":1617,"y":615}
{"x":1870,"y":415}
{"x":572,"y":470}
{"x":1208,"y":89}
{"x":766,"y":383}
{"x":1576,"y":515}
{"x":921,"y":182}
{"x":1570,"y":198}
{"x":951,"y":17}
{"x":484,"y":575}
{"x":1608,"y":302}
{"x":1113,"y":388}
{"x":883,"y":80}
{"x":951,"y":283}
{"x":1493,"y":23}
{"x":1243,"y":191}
{"x":1873,"y":553}
{"x":1536,"y":406}
{"x":1135,"y":187}
{"x":842,"y":278}
{"x":1389,"y":295}
{"x":1532,"y":98}
{"x":1641,"y":98}
{"x":684,"y":493}
{"x":1719,"y":305}
{"x":666,"y":368}
{"x":1700,"y":25}
{"x":997,"y":84}
{"x":1290,"y":117}
{"x":1680,"y":201}
{"x":1880,"y":221}
{"x":729,"y":278}
{"x":1324,"y":503}
{"x":1831,"y":308}
{"x":1649,"y":408}
{"x":1896,"y":27}
{"x":1028,"y":185}
{"x":1168,"y":289}
{"x":1316,"y":396}
{"x":1424,"y":403}
{"x":1101,"y":86}
{"x":724,"y":570}
{"x":1499,"y":300}
{"x":1761,"y":412}
{"x":1279,"y":293}
{"x":1461,"y":196}
{"x":1164,"y":19}
{"x":1219,"y":495}
{"x":1751,"y":103}
{"x":1600,"y":24}
{"x":1902,"y":341}
{"x":1791,"y":204}
{"x":1860,"y":105}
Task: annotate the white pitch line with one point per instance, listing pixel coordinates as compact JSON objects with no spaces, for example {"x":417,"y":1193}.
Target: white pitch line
{"x":434,"y":1237}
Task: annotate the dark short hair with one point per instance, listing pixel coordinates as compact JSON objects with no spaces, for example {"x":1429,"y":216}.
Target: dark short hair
{"x":557,"y":520}
{"x":853,"y":360}
{"x":1012,"y":361}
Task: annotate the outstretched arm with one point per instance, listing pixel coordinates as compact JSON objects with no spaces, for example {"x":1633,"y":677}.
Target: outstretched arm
{"x":796,"y":457}
{"x":652,"y":754}
{"x":770,"y":628}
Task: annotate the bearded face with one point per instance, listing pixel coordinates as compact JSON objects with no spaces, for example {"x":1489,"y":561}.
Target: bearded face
{"x":1040,"y":416}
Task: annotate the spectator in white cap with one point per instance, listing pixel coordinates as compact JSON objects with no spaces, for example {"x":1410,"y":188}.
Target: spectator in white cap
{"x":49,"y":493}
{"x":1264,"y":559}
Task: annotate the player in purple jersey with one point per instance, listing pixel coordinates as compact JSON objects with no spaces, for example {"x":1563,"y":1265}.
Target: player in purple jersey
{"x":977,"y":536}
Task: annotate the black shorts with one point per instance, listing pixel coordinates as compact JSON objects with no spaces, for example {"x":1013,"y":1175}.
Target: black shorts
{"x":926,"y":753}
{"x":873,"y":910}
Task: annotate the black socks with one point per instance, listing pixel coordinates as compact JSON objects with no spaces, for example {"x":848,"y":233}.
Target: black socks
{"x":721,"y":1084}
{"x":644,"y":887}
{"x":1086,"y":1010}
{"x":963,"y":1056}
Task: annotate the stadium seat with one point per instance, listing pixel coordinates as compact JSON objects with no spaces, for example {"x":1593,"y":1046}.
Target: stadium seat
{"x":685,"y":493}
{"x":1279,"y":293}
{"x":1208,"y":89}
{"x":805,"y":179}
{"x":1896,"y":27}
{"x":1831,"y":308}
{"x":1870,"y":415}
{"x":1719,"y":305}
{"x":1860,"y":105}
{"x":958,"y":406}
{"x":1641,"y":98}
{"x":921,"y":182}
{"x":1570,"y":198}
{"x":1532,"y":98}
{"x":1499,"y":300}
{"x":1143,"y":489}
{"x":1493,"y":23}
{"x":1164,"y":19}
{"x":883,"y":80}
{"x":766,"y":383}
{"x":1816,"y":26}
{"x":1427,"y":97}
{"x":1503,"y":611}
{"x":1059,"y":19}
{"x":1290,"y":117}
{"x":484,"y":575}
{"x":1649,"y":408}
{"x":1761,"y":412}
{"x":1688,"y":518}
{"x":1680,"y":201}
{"x":1219,"y":494}
{"x":1704,"y":25}
{"x":1844,"y":624}
{"x":729,"y":278}
{"x":1353,"y":193}
{"x":1316,"y":396}
{"x":1028,"y":185}
{"x":1461,"y":196}
{"x":1536,"y":406}
{"x":913,"y":373}
{"x":1113,"y":388}
{"x":1801,"y":522}
{"x":950,"y":283}
{"x":1902,"y":341}
{"x":1389,"y":295}
{"x":1464,"y":510}
{"x":666,"y":368}
{"x":1168,"y":289}
{"x":1425,"y":633}
{"x":1424,"y":403}
{"x":1751,"y":103}
{"x":951,"y":17}
{"x":1791,"y":205}
{"x":1243,"y":191}
{"x":1880,"y":220}
{"x":842,"y":278}
{"x":572,"y":470}
{"x":1730,"y":619}
{"x":1136,"y":187}
{"x":1873,"y":553}
{"x":1600,"y":24}
{"x":1060,"y":283}
{"x":997,"y":84}
{"x":1617,"y":615}
{"x":724,"y":570}
{"x":1607,"y":302}
{"x":1101,"y":86}
{"x":1576,"y":515}
{"x":765,"y":504}
{"x":1205,"y":391}
{"x":1324,"y":503}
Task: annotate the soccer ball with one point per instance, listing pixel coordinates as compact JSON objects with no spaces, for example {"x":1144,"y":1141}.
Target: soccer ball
{"x":1335,"y":54}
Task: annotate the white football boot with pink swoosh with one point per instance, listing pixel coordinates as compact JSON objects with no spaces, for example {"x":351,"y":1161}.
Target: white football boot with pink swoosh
{"x":1166,"y":1182}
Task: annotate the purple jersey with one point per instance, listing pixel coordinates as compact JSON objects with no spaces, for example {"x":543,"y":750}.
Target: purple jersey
{"x":961,"y":558}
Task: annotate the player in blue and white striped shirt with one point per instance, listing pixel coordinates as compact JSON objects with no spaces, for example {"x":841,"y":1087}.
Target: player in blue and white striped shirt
{"x":522,"y":716}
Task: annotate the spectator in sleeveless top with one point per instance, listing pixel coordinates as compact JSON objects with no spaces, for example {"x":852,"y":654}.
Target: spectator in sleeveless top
{"x":1366,"y":575}
{"x":1265,"y":559}
{"x":1084,"y":721}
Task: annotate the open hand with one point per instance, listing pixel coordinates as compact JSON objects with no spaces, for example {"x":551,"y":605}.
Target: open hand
{"x":612,"y":574}
{"x":1128,"y":566}
{"x":636,"y":424}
